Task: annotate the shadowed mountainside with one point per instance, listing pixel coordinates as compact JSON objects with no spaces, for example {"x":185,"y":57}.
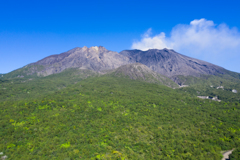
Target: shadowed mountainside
{"x":171,"y":64}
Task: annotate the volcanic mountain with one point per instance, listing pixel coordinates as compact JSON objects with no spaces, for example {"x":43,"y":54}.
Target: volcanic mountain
{"x":165,"y":62}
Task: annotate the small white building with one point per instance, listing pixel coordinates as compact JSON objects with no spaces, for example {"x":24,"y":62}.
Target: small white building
{"x":234,"y":91}
{"x":220,"y":87}
{"x":212,"y":98}
{"x":216,"y":99}
{"x":203,"y":97}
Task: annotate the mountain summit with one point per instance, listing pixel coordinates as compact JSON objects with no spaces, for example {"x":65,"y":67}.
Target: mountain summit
{"x":170,"y":63}
{"x":93,"y":58}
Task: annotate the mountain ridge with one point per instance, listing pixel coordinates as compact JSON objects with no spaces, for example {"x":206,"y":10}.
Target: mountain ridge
{"x":170,"y":63}
{"x":166,"y":62}
{"x":93,"y":58}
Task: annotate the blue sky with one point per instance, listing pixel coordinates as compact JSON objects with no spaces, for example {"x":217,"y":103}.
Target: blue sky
{"x":32,"y":30}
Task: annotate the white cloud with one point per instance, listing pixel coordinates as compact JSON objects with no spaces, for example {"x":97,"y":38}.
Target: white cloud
{"x":147,"y":42}
{"x":200,"y":39}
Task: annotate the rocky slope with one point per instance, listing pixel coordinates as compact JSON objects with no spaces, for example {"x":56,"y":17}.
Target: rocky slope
{"x":93,"y":58}
{"x":171,"y":64}
{"x":138,"y":71}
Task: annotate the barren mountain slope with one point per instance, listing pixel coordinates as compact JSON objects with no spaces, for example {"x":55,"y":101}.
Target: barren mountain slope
{"x":138,"y":71}
{"x":170,"y":63}
{"x":93,"y":58}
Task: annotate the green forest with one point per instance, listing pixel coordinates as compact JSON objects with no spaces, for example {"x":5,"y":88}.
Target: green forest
{"x":72,"y":116}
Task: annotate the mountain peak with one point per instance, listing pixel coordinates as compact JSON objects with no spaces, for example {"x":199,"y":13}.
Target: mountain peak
{"x":94,"y":48}
{"x":95,"y":58}
{"x":170,"y":63}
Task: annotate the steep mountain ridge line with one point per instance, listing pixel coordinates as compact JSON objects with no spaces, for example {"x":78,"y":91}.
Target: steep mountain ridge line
{"x":170,"y":63}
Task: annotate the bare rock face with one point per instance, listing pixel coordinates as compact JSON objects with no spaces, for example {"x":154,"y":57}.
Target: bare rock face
{"x":135,"y":71}
{"x":171,"y":64}
{"x":93,"y":58}
{"x":138,"y":71}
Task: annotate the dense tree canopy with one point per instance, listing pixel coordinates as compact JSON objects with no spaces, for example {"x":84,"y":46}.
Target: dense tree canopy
{"x":113,"y":118}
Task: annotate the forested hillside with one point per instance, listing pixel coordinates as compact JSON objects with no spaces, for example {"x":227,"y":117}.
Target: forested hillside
{"x":209,"y":85}
{"x":27,"y":88}
{"x":117,"y":118}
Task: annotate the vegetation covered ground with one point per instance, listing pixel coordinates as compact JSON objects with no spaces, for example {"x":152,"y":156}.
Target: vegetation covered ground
{"x":116,"y":118}
{"x":235,"y":154}
{"x":34,"y":87}
{"x":207,"y":85}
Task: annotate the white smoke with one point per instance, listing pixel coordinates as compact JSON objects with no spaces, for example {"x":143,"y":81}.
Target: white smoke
{"x":200,"y":39}
{"x":147,"y":42}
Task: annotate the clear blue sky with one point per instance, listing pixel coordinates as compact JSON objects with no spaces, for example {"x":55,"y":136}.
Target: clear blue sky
{"x":31,"y":30}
